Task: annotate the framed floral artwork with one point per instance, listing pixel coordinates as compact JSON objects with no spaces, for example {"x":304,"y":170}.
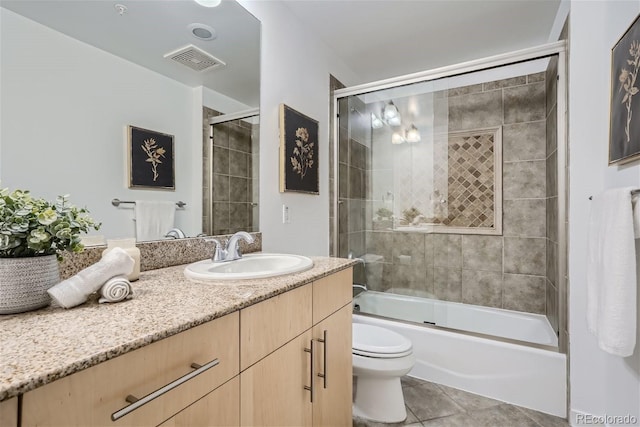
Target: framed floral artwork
{"x":151,"y":163}
{"x":298,"y":152}
{"x":624,"y":124}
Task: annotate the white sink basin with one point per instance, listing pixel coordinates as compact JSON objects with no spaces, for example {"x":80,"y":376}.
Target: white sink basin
{"x":251,"y":266}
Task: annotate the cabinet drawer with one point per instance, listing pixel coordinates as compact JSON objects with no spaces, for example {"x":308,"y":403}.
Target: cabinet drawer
{"x":270,"y":324}
{"x":331,"y":293}
{"x":90,"y":397}
{"x":220,"y":408}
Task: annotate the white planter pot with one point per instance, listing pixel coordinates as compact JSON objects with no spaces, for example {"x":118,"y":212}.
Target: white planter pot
{"x":24,"y":282}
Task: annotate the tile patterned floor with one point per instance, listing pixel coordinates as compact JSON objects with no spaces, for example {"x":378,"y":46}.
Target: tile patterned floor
{"x":433,"y":405}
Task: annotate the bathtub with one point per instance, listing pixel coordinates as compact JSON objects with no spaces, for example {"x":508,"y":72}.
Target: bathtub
{"x":522,"y":375}
{"x":514,"y":325}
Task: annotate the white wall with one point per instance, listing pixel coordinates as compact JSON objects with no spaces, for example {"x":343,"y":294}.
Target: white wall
{"x":295,"y":70}
{"x":70,"y":104}
{"x":600,"y":383}
{"x":65,"y":110}
{"x":221,"y":103}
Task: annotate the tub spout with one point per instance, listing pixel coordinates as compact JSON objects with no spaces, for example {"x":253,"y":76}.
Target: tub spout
{"x":359,"y":288}
{"x":357,"y":259}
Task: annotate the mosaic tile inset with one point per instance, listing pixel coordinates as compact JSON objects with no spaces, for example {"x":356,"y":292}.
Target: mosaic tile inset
{"x":471,"y":162}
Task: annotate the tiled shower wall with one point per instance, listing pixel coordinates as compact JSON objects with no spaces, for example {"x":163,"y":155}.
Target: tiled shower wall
{"x":507,"y":271}
{"x":231,"y":156}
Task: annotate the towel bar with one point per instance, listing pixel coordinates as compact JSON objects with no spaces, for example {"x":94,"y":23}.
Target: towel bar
{"x":116,"y":202}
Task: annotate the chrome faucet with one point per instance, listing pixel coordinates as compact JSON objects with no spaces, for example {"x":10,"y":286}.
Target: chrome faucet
{"x":232,"y":250}
{"x":175,"y":233}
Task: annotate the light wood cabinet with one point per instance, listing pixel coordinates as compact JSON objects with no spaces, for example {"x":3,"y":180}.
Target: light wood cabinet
{"x":220,"y":408}
{"x":331,"y":293}
{"x":92,"y":396}
{"x":308,"y":379}
{"x":285,"y":361}
{"x":333,"y":367}
{"x":9,"y":412}
{"x":273,"y":390}
{"x":269,"y":324}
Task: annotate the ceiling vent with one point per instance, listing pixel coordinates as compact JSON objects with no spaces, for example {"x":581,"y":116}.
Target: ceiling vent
{"x":195,"y":58}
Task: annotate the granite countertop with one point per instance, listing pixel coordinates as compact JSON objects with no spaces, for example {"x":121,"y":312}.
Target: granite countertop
{"x":41,"y":346}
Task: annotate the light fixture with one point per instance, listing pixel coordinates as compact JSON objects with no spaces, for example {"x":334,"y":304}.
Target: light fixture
{"x":209,"y":3}
{"x":395,"y":121}
{"x":202,"y":31}
{"x":397,"y":138}
{"x":390,"y":111}
{"x":376,"y":123}
{"x":413,"y":135}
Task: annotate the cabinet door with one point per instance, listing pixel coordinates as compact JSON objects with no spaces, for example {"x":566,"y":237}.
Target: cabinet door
{"x":273,"y":390}
{"x":9,"y":412}
{"x":333,"y":370}
{"x":221,"y":408}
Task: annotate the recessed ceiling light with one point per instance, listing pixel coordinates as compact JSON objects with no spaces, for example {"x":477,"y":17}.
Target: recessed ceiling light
{"x":209,"y":3}
{"x":202,"y":31}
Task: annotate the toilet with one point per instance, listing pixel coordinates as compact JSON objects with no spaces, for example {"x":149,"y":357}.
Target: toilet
{"x":380,"y":358}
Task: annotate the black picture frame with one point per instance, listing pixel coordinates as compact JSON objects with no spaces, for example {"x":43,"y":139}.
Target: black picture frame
{"x":298,"y":152}
{"x":624,"y":123}
{"x":151,"y":159}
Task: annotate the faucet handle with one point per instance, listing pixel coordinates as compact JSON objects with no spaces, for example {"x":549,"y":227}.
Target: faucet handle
{"x":218,"y":251}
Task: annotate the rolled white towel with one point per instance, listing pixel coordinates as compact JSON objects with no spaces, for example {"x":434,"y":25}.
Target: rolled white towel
{"x":76,"y":289}
{"x":115,"y":290}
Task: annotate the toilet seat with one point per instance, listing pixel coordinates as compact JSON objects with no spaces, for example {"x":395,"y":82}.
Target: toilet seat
{"x":374,"y":341}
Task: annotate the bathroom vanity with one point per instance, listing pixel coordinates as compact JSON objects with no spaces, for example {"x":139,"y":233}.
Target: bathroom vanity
{"x":258,"y":352}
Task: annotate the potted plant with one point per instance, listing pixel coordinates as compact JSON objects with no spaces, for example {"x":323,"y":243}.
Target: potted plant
{"x":384,"y":213}
{"x":409,"y":215}
{"x":34,"y":234}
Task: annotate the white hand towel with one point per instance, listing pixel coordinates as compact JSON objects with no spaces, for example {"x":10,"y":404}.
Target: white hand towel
{"x":115,"y":290}
{"x":611,"y":272}
{"x":154,"y":219}
{"x":75,"y":290}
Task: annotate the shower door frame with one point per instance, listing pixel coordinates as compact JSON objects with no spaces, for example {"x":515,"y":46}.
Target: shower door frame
{"x":546,"y":50}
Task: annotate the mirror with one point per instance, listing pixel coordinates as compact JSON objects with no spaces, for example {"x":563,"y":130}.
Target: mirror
{"x":231,"y":186}
{"x":75,"y":75}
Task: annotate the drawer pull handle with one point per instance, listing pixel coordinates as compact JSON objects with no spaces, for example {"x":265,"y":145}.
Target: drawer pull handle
{"x":323,"y":374}
{"x":310,"y":387}
{"x":135,"y":403}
